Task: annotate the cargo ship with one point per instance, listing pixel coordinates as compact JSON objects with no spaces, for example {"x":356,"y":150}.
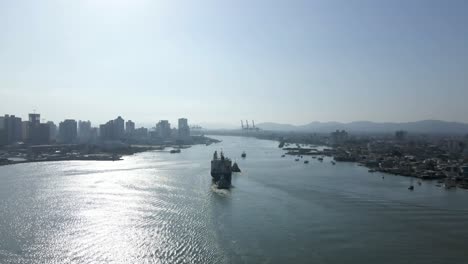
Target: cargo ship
{"x":221,"y":171}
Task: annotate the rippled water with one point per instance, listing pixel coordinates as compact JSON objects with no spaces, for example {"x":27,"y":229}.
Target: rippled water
{"x":156,"y":207}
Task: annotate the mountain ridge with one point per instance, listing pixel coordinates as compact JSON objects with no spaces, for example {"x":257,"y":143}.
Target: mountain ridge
{"x":422,"y":126}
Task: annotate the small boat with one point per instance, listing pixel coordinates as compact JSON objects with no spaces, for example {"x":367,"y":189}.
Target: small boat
{"x":235,"y":167}
{"x":320,"y":159}
{"x":175,"y":151}
{"x":283,"y":156}
{"x":411,"y":188}
{"x":296,"y":159}
{"x":306,"y":161}
{"x":419,"y":182}
{"x":332,"y":162}
{"x":314,"y":157}
{"x":243,"y":155}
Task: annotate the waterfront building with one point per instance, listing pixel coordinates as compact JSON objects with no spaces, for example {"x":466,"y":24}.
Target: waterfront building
{"x":84,"y":131}
{"x":113,"y":129}
{"x":25,"y":130}
{"x":52,"y":131}
{"x":93,"y":134}
{"x":129,"y":127}
{"x":3,"y":134}
{"x":40,"y":134}
{"x":106,"y":130}
{"x":141,"y":133}
{"x":68,"y":131}
{"x":35,"y":119}
{"x":183,"y":129}
{"x":12,"y":127}
{"x":163,"y":129}
{"x":36,"y":133}
{"x":119,"y":128}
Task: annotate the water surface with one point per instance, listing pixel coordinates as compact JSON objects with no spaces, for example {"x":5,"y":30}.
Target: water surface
{"x":156,"y":207}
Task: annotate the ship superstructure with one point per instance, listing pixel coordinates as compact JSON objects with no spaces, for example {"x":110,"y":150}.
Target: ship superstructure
{"x":221,"y":170}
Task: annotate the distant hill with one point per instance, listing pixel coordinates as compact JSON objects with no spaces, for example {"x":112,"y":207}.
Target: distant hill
{"x":425,"y":126}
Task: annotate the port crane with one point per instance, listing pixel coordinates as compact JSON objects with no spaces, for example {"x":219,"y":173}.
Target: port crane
{"x":248,"y":127}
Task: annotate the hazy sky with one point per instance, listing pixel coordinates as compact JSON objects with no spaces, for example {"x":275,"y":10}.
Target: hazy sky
{"x":222,"y":61}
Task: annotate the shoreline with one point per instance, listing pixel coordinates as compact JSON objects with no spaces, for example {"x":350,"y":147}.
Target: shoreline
{"x":83,"y":152}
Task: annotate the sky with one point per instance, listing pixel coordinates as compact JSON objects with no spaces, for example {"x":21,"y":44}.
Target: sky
{"x":217,"y":62}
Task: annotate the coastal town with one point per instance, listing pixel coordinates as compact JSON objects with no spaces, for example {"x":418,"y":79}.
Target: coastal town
{"x":426,"y":157}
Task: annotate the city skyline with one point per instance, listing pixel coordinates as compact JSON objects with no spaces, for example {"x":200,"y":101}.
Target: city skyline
{"x":44,"y":119}
{"x":294,"y":62}
{"x":38,"y":131}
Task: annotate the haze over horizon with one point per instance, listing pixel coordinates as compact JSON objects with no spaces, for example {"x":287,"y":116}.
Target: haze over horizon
{"x":218,"y":62}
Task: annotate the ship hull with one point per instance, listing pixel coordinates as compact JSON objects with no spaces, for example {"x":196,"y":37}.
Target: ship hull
{"x":221,"y":173}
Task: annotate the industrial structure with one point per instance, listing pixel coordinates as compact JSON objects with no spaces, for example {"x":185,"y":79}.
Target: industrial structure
{"x":247,"y":127}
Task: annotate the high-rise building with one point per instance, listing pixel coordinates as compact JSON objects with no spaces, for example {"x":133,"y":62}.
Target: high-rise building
{"x":105,"y":130}
{"x":35,"y":119}
{"x":94,"y":134}
{"x":112,"y":130}
{"x":2,"y":122}
{"x":183,"y":129}
{"x":25,"y":130}
{"x":52,"y":131}
{"x":84,"y":131}
{"x":12,"y":129}
{"x":35,"y":132}
{"x":41,"y":134}
{"x":141,"y":133}
{"x":163,"y":129}
{"x":129,"y":127}
{"x":68,"y":131}
{"x":119,"y":128}
{"x":3,"y":133}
